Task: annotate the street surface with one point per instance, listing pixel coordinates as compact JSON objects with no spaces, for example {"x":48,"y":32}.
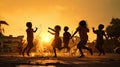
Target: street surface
{"x":16,"y":60}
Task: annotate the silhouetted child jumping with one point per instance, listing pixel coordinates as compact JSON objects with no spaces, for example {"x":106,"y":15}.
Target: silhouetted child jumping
{"x":57,"y":40}
{"x":100,"y":41}
{"x":66,"y":38}
{"x":82,"y":30}
{"x":30,"y":38}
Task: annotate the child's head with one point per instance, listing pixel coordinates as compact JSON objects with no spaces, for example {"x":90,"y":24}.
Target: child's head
{"x":82,"y":23}
{"x":66,"y":28}
{"x":57,"y":28}
{"x":29,"y":24}
{"x":101,"y":26}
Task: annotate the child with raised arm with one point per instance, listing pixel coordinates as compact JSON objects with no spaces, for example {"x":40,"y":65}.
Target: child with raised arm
{"x":57,"y":40}
{"x":82,"y":30}
{"x":30,"y":38}
{"x":100,"y":41}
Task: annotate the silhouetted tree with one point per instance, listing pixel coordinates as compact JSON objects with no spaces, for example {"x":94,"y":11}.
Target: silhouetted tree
{"x":113,"y":30}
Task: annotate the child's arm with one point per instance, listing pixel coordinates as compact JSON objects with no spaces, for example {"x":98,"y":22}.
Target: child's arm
{"x":93,"y":30}
{"x":35,"y":29}
{"x":74,"y":33}
{"x":87,"y":30}
{"x":51,"y":33}
{"x":69,"y":35}
{"x":51,"y":29}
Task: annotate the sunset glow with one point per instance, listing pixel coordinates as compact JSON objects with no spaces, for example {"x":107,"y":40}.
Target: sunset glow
{"x":59,"y":33}
{"x":48,"y":13}
{"x":46,"y":39}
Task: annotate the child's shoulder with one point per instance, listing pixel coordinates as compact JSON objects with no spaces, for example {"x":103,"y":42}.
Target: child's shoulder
{"x":29,"y":29}
{"x":79,"y":27}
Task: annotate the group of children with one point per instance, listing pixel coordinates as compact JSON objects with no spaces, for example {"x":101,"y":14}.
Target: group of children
{"x":57,"y":40}
{"x":82,"y":29}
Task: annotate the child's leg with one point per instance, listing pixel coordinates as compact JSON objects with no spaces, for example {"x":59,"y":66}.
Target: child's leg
{"x":29,"y":48}
{"x":28,"y":51}
{"x":99,"y":49}
{"x":68,"y":49}
{"x":89,"y":49}
{"x":66,"y":46}
{"x":102,"y":50}
{"x":54,"y":52}
{"x":80,"y":49}
{"x":79,"y":46}
{"x":24,"y":50}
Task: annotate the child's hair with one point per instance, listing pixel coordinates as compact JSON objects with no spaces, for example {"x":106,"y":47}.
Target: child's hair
{"x":29,"y":24}
{"x":57,"y":28}
{"x":82,"y":23}
{"x":66,"y":28}
{"x":101,"y":26}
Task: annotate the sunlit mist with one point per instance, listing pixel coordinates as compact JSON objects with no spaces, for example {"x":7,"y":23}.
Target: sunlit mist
{"x":46,"y":38}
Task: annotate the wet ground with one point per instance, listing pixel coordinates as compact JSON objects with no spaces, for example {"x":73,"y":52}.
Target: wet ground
{"x":15,"y":60}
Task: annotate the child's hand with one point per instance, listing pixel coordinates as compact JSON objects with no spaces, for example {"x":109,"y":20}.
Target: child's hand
{"x":48,"y":27}
{"x":36,"y":27}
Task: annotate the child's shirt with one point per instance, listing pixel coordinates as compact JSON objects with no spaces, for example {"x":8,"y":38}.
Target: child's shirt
{"x":29,"y":34}
{"x":66,"y":36}
{"x":100,"y":34}
{"x":83,"y":32}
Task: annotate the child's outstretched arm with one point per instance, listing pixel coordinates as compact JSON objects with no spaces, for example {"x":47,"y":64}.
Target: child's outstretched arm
{"x":35,"y":29}
{"x":51,"y":32}
{"x":74,"y":34}
{"x":51,"y":29}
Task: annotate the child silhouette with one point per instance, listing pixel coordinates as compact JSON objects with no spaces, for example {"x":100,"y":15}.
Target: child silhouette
{"x":57,"y":40}
{"x":83,"y":30}
{"x":30,"y":38}
{"x":100,"y":41}
{"x":66,"y":38}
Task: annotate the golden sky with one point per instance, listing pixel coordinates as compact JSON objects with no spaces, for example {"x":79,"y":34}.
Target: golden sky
{"x":48,"y":13}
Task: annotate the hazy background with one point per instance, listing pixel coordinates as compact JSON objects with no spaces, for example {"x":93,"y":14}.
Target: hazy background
{"x":48,"y":13}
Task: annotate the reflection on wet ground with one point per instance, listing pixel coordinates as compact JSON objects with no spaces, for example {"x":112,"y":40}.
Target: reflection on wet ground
{"x":34,"y":66}
{"x":12,"y":60}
